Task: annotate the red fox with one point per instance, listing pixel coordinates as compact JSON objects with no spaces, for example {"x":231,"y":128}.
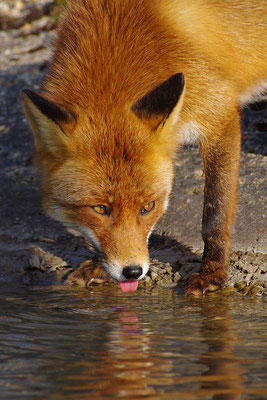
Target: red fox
{"x":130,"y":81}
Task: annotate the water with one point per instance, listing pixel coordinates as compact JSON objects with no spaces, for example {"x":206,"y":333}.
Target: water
{"x":62,"y":343}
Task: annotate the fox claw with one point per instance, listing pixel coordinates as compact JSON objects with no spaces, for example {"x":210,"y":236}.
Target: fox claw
{"x":202,"y":283}
{"x":87,"y":273}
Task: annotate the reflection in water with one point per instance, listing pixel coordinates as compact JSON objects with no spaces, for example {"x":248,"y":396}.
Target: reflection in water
{"x":62,"y":343}
{"x":225,"y":376}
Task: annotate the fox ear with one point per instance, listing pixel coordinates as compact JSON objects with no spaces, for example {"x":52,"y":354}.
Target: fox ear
{"x":161,"y":103}
{"x":47,"y":121}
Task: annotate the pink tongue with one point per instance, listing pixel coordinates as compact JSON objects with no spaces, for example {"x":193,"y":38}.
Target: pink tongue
{"x":129,"y":286}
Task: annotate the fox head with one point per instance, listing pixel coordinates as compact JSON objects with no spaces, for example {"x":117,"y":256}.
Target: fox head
{"x":109,"y":175}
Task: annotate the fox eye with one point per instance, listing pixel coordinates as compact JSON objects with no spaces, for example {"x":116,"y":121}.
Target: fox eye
{"x":147,"y":208}
{"x":102,"y":210}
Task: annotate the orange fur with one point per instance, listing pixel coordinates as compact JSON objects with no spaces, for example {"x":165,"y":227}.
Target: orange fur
{"x":103,"y":150}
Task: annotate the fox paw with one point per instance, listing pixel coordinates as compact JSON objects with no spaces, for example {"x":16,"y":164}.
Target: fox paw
{"x":201,"y":283}
{"x":88,"y":272}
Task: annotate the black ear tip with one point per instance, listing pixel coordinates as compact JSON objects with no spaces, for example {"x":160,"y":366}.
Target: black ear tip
{"x":162,"y":99}
{"x":180,"y":79}
{"x":48,"y":108}
{"x":25,"y":92}
{"x":32,"y":95}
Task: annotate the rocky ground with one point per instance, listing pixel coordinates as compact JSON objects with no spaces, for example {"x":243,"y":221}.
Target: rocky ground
{"x":35,"y":249}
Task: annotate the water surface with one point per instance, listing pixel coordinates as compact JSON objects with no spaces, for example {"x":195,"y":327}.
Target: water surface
{"x":62,"y":343}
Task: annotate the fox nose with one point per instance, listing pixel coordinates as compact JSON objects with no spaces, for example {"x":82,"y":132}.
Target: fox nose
{"x":132,"y":272}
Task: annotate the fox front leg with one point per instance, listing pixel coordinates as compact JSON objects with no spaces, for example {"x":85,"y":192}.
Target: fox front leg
{"x":88,"y":272}
{"x":221,"y":155}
